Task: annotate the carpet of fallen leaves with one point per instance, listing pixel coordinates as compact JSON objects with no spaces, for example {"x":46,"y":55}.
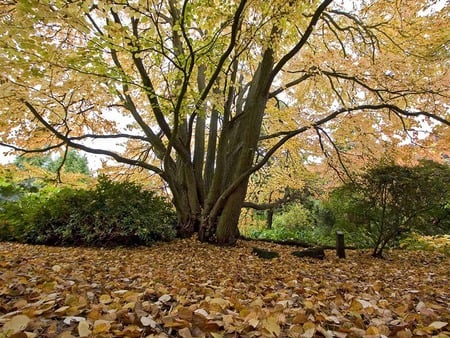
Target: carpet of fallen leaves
{"x":190,"y":289}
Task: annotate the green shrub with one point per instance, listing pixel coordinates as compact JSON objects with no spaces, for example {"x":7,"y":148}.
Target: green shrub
{"x":309,"y":224}
{"x":310,"y":235}
{"x":295,"y":217}
{"x":112,"y":213}
{"x":313,"y":235}
{"x":415,"y":241}
{"x":390,"y":201}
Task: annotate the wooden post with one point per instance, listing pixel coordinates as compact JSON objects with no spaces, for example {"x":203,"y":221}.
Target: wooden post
{"x":269,"y":221}
{"x":340,"y":246}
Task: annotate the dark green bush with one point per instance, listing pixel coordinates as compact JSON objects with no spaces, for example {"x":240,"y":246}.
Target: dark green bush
{"x":390,"y":201}
{"x":112,"y":213}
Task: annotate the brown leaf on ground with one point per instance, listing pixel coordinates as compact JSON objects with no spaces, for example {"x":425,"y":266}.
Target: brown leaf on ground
{"x":191,"y":289}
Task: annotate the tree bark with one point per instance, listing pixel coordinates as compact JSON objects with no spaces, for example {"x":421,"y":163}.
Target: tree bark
{"x":223,"y":207}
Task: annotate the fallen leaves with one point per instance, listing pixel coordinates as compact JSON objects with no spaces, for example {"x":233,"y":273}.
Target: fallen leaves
{"x":190,"y":289}
{"x":16,"y":324}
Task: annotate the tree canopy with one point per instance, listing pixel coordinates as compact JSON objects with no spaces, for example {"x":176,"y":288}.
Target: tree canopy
{"x":206,"y":93}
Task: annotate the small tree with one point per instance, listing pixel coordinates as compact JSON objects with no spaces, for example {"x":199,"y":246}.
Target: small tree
{"x":391,"y":199}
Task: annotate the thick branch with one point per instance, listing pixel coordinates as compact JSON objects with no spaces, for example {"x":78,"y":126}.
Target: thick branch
{"x":70,"y":142}
{"x":272,"y":205}
{"x":290,"y":134}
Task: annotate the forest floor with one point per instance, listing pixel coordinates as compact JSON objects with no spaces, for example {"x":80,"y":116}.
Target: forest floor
{"x":190,"y":289}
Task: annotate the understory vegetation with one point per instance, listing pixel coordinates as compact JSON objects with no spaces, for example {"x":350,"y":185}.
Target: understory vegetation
{"x":108,"y":214}
{"x":388,"y":206}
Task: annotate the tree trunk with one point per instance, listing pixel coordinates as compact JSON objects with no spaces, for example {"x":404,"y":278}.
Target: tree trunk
{"x":227,"y":232}
{"x":186,"y":198}
{"x":187,"y":223}
{"x":188,"y":209}
{"x":235,"y":157}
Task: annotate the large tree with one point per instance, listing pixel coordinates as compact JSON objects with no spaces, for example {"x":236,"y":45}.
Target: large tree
{"x":192,"y":90}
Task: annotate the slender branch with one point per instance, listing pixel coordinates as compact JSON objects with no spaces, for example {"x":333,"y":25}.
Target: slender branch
{"x":234,"y":33}
{"x":61,"y":165}
{"x":324,"y":151}
{"x":112,"y":136}
{"x":315,"y":18}
{"x":37,"y":150}
{"x":390,"y":107}
{"x":293,"y":83}
{"x":338,"y":153}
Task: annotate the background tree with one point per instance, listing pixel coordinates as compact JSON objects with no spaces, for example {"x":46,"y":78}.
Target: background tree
{"x":191,"y":90}
{"x":35,"y":174}
{"x":391,"y":200}
{"x":71,"y":161}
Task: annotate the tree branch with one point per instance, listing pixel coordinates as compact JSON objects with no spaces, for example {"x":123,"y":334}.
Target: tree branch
{"x":69,"y":142}
{"x":293,"y":83}
{"x":290,"y":134}
{"x":271,"y":205}
{"x":234,"y":32}
{"x":315,"y":18}
{"x":38,"y":150}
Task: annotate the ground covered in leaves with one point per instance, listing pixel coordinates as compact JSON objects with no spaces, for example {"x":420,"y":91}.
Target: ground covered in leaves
{"x":189,"y":289}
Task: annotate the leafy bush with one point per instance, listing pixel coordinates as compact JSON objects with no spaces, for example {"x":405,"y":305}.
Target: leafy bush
{"x":415,"y":241}
{"x":112,"y":213}
{"x":295,"y":217}
{"x":319,"y":235}
{"x":390,"y":201}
